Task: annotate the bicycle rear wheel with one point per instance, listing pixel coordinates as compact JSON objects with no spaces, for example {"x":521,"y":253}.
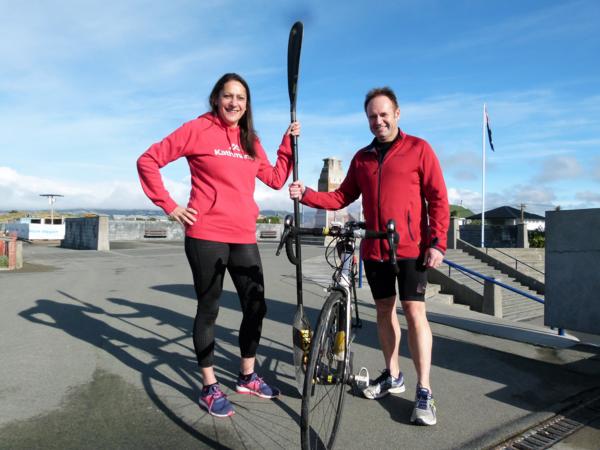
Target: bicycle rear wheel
{"x":324,"y":384}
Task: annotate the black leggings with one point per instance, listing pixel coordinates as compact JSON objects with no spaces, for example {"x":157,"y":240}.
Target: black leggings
{"x":208,"y":261}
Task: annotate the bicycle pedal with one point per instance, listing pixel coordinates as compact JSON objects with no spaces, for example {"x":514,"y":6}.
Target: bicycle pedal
{"x":361,"y":379}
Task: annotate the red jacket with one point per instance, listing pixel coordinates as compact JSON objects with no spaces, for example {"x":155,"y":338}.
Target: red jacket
{"x":409,"y":175}
{"x":223,"y":177}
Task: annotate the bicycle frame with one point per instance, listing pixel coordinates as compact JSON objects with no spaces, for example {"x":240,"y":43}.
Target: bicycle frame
{"x":329,"y":365}
{"x":344,"y":281}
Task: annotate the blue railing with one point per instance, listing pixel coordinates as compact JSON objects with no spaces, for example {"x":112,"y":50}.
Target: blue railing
{"x":561,"y":331}
{"x":470,"y":272}
{"x":493,"y":280}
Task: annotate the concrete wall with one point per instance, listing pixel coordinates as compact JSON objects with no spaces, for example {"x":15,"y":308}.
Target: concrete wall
{"x":86,"y":233}
{"x":264,"y":231}
{"x":129,"y":230}
{"x":572,"y":280}
{"x":453,"y":232}
{"x":22,"y":229}
{"x":125,"y":230}
{"x":133,"y":230}
{"x":463,"y":294}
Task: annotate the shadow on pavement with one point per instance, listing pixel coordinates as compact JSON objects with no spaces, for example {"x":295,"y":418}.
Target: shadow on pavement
{"x":528,"y":383}
{"x":173,"y":362}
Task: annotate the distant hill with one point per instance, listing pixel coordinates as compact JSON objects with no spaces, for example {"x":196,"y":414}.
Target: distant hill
{"x":307,"y":213}
{"x":274,"y":212}
{"x":460,"y":211}
{"x":6,"y":216}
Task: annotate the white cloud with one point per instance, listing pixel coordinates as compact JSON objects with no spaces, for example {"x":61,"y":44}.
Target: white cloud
{"x":592,"y":198}
{"x":21,"y":191}
{"x":267,"y":198}
{"x":464,"y":197}
{"x":559,"y":168}
{"x":537,"y":199}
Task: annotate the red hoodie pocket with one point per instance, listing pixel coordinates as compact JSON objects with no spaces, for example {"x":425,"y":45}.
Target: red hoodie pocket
{"x":203,"y":204}
{"x":409,"y":226}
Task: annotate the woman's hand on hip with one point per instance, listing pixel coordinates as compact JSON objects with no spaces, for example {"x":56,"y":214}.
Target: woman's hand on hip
{"x":184,"y":215}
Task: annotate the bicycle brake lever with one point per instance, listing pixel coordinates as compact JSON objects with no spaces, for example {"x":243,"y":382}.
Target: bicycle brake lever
{"x":392,"y":238}
{"x":284,"y":236}
{"x":287,"y":226}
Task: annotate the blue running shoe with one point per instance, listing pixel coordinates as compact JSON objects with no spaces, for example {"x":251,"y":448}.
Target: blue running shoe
{"x":215,"y":402}
{"x":424,"y":412}
{"x":256,"y":386}
{"x":385,"y":384}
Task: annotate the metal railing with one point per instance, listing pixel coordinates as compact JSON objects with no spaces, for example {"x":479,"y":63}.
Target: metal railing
{"x":470,"y":272}
{"x":517,"y":261}
{"x":492,"y":280}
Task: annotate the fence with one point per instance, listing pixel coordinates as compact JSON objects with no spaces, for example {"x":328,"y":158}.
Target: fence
{"x":501,"y":236}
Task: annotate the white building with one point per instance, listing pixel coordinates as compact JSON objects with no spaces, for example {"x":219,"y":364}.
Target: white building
{"x":38,"y":228}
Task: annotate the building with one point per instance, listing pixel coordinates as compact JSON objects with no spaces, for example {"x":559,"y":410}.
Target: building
{"x":332,"y":175}
{"x":37,"y":228}
{"x":507,"y":215}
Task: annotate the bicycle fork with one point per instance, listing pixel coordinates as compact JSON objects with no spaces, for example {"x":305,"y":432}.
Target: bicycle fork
{"x":360,"y":380}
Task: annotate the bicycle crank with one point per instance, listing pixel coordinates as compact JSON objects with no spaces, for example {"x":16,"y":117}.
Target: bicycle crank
{"x":359,"y":381}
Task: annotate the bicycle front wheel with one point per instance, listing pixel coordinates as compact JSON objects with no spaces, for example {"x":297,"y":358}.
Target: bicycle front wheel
{"x":324,"y":383}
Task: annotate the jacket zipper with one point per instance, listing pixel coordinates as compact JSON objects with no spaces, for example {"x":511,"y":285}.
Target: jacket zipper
{"x":380,"y":224}
{"x":381,"y":221}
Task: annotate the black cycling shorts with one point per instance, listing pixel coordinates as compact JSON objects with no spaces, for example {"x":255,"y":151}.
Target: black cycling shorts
{"x":411,"y":279}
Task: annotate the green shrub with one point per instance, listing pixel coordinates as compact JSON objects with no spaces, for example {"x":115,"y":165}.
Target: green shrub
{"x":269,"y":219}
{"x":537,"y":239}
{"x":3,"y":261}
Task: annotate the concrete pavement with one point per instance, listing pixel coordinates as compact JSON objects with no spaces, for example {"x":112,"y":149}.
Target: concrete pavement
{"x":96,"y":353}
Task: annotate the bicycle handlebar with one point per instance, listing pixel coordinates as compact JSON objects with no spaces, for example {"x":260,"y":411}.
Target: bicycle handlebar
{"x":352,"y":229}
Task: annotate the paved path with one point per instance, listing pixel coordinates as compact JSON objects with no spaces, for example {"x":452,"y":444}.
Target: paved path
{"x":96,"y":353}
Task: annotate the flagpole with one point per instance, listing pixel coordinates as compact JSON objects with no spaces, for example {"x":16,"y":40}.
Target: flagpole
{"x":483,"y":180}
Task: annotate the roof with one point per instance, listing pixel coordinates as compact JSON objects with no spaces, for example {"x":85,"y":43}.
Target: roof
{"x":506,"y":212}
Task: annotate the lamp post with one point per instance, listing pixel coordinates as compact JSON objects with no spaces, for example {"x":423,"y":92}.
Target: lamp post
{"x":51,"y":201}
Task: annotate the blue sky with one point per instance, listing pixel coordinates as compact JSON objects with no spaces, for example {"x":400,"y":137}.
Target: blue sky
{"x":87,"y":86}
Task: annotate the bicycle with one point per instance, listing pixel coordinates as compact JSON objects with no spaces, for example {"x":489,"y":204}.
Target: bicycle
{"x":329,"y":363}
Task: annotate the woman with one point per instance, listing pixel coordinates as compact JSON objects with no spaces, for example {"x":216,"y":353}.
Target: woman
{"x":225,"y":157}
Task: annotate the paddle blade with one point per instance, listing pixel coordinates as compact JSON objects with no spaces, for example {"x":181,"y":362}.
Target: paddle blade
{"x":294,"y":47}
{"x":301,"y":339}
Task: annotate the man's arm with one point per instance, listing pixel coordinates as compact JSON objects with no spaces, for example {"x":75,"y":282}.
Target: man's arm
{"x":434,"y":190}
{"x":341,"y":197}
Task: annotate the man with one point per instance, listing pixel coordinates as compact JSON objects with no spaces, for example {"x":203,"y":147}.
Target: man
{"x":399,"y":177}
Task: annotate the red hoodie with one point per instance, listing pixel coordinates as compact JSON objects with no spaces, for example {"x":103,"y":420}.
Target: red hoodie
{"x":223,"y":177}
{"x":409,"y":175}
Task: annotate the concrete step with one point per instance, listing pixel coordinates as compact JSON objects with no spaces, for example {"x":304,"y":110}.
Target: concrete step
{"x":446,"y":299}
{"x":516,"y":308}
{"x":522,"y":314}
{"x":514,"y":305}
{"x":523,"y":317}
{"x":432,"y":289}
